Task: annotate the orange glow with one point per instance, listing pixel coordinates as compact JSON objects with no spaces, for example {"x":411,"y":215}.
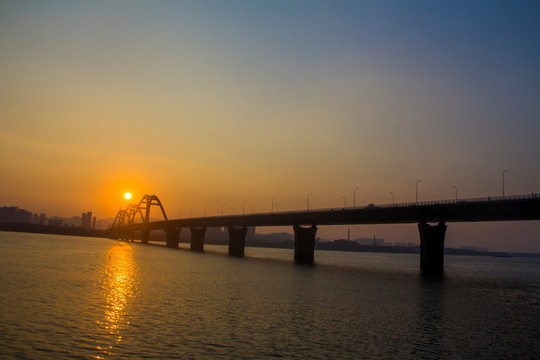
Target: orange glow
{"x":127,"y":196}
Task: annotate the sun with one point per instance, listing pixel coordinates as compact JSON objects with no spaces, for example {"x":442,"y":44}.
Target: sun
{"x":127,"y":196}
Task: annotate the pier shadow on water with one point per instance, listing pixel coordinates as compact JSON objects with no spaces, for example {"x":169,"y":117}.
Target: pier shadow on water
{"x":429,"y":331}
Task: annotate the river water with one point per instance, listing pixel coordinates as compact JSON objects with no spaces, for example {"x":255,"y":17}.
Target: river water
{"x":65,"y":297}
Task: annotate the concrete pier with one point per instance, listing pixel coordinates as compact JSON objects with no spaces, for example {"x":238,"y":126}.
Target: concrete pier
{"x":237,"y":241}
{"x":145,"y":236}
{"x":173,"y":235}
{"x":197,"y":239}
{"x":432,"y":248}
{"x":304,"y":244}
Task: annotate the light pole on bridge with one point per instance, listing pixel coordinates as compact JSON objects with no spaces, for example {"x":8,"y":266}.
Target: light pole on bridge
{"x":417,"y":181}
{"x":307,"y":200}
{"x":455,"y":188}
{"x":393,"y":199}
{"x":354,"y":197}
{"x":275,"y":197}
{"x":222,"y":205}
{"x":344,"y":201}
{"x":505,"y":171}
{"x":244,"y":207}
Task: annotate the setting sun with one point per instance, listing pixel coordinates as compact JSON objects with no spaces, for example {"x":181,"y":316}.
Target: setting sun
{"x":127,"y":196}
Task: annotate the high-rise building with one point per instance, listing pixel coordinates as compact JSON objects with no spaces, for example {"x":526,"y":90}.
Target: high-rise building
{"x":89,"y":220}
{"x":83,"y":221}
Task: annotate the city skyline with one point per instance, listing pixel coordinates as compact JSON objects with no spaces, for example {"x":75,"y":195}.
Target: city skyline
{"x":231,"y":106}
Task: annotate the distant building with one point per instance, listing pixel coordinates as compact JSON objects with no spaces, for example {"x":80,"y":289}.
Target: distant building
{"x":372,"y":241}
{"x":12,"y":214}
{"x":88,"y":220}
{"x":42,"y":219}
{"x":55,"y":222}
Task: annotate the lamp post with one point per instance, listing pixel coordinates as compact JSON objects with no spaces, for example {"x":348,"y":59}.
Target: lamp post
{"x":307,"y":201}
{"x":505,"y":171}
{"x":244,"y":207}
{"x":354,"y":197}
{"x":344,"y":201}
{"x":205,"y":210}
{"x":273,"y":203}
{"x":222,"y":205}
{"x":393,"y":199}
{"x":417,"y":181}
{"x":455,"y":188}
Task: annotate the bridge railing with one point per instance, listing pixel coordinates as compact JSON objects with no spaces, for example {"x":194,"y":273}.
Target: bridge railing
{"x":420,"y":203}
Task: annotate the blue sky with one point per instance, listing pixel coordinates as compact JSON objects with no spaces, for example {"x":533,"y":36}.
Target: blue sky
{"x":213,"y":102}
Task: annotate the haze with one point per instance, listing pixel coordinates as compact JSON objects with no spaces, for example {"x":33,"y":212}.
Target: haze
{"x":217,"y":105}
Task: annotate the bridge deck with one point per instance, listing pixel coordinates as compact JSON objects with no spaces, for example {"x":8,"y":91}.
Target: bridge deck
{"x":523,"y":207}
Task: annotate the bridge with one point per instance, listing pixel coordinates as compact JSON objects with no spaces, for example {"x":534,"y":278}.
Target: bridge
{"x":431,"y":218}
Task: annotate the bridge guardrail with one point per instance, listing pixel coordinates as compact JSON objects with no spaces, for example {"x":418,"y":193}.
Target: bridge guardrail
{"x":409,"y":204}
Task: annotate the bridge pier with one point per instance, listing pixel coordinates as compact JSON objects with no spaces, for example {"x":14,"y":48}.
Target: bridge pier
{"x":197,"y":239}
{"x":173,"y":235}
{"x":432,"y":248}
{"x":304,"y":244}
{"x":145,"y":236}
{"x":237,"y":241}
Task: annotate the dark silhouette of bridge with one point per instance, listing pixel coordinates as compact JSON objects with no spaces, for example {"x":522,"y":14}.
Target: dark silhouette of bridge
{"x":431,"y":218}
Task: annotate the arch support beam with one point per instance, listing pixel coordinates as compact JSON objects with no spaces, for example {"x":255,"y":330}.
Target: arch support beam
{"x":197,"y":239}
{"x":432,"y":248}
{"x":173,"y":234}
{"x":304,"y":244}
{"x":237,"y":241}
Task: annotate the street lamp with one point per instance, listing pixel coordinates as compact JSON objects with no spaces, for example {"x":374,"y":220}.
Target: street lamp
{"x":344,"y":201}
{"x":417,"y":181}
{"x":354,"y":197}
{"x":455,"y":188}
{"x":205,"y":210}
{"x":393,"y":199}
{"x":222,"y":205}
{"x":307,"y":200}
{"x":275,"y":197}
{"x":505,"y":171}
{"x":244,"y":207}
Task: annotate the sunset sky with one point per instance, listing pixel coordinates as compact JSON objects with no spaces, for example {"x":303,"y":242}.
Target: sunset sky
{"x":210,"y":104}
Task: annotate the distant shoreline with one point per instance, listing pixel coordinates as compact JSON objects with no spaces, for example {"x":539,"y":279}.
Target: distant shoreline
{"x":285,"y":244}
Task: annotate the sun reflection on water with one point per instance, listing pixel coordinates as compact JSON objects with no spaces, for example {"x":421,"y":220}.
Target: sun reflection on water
{"x":119,"y":284}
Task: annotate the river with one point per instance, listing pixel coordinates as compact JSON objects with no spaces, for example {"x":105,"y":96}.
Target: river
{"x":67,"y":297}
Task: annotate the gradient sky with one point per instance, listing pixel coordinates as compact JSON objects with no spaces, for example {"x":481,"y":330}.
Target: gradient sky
{"x":207,"y":103}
